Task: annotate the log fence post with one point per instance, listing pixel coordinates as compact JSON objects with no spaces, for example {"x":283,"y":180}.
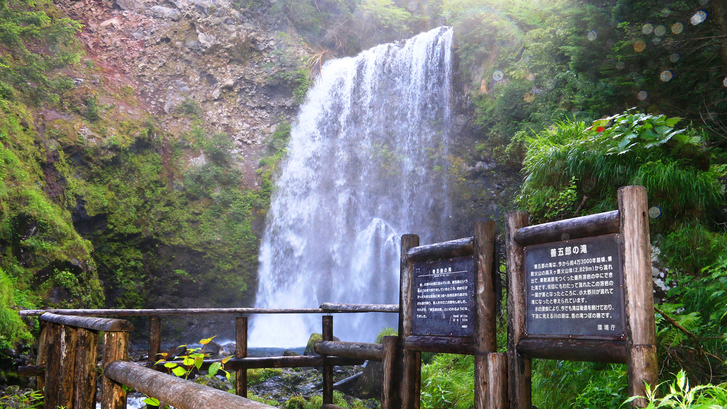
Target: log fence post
{"x":388,"y":391}
{"x":327,"y":335}
{"x":241,"y":352}
{"x":115,"y":347}
{"x":639,"y":296}
{"x":52,"y":365}
{"x":155,"y":339}
{"x":85,"y":369}
{"x":411,"y":360}
{"x":518,"y":366}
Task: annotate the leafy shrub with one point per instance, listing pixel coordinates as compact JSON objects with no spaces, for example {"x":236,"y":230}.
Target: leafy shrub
{"x":682,"y":395}
{"x":448,"y":382}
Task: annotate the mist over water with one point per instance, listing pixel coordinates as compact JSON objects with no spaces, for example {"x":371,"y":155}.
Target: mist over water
{"x":366,"y":163}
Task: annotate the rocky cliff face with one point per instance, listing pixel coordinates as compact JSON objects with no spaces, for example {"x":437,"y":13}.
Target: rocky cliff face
{"x":238,"y":68}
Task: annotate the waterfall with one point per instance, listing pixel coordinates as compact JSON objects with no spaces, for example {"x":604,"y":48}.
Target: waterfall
{"x":367,"y":162}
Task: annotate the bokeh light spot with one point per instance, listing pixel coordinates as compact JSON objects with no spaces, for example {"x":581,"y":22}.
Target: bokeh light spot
{"x":642,"y":95}
{"x":677,"y":28}
{"x":498,"y":75}
{"x":592,"y":35}
{"x":529,"y":97}
{"x":666,"y":76}
{"x":724,"y":82}
{"x":665,"y":12}
{"x":639,"y":46}
{"x":699,"y":17}
{"x":620,"y":65}
{"x":655,"y":212}
{"x":675,"y":57}
{"x":647,"y":28}
{"x":659,"y":30}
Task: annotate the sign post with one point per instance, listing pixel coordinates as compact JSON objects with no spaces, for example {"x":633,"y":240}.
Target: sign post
{"x":580,"y":289}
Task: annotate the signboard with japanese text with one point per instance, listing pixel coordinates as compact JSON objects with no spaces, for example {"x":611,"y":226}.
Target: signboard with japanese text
{"x":574,"y":289}
{"x":443,"y":301}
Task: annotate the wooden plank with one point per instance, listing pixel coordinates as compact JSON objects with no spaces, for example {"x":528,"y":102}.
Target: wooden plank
{"x":485,"y":303}
{"x":53,"y":365}
{"x":327,"y":335}
{"x":574,"y":349}
{"x":410,"y":360}
{"x":177,"y":392}
{"x":240,"y":353}
{"x":69,"y":339}
{"x":439,"y":251}
{"x":569,"y":229}
{"x":449,"y":345}
{"x":496,"y":380}
{"x":640,"y":322}
{"x":155,"y":339}
{"x":115,"y":348}
{"x":388,"y":391}
{"x":85,"y":374}
{"x":518,"y":366}
{"x":170,"y":311}
{"x":358,"y":350}
{"x":92,"y":323}
{"x":338,"y":307}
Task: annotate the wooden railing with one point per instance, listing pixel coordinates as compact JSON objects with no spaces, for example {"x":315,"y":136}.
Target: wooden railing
{"x":67,"y":361}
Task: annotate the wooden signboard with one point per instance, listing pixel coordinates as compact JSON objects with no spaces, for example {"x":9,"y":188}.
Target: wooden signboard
{"x":581,"y":289}
{"x":447,"y":304}
{"x":574,"y":289}
{"x":444,"y":297}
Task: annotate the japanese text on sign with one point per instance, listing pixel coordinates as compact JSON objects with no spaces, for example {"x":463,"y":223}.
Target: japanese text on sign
{"x":574,"y":288}
{"x":443,"y":301}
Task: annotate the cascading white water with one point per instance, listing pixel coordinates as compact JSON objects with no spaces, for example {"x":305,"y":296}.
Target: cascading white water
{"x":366,"y":163}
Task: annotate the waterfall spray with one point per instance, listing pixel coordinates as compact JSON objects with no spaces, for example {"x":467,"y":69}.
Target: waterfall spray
{"x":367,"y":162}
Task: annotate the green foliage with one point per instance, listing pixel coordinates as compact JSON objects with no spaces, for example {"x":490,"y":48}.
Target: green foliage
{"x":256,"y":376}
{"x":189,"y":107}
{"x":682,"y":395}
{"x":16,"y":398}
{"x":12,"y":328}
{"x":448,"y":382}
{"x":624,"y":149}
{"x":190,"y":363}
{"x":26,"y":28}
{"x":386,"y":332}
{"x":581,"y":385}
{"x":691,"y":247}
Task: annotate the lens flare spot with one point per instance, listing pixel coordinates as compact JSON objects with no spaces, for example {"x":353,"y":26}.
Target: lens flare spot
{"x":647,"y":28}
{"x":666,"y":76}
{"x":659,"y":30}
{"x":675,"y":57}
{"x":642,"y":95}
{"x":639,"y":46}
{"x":677,"y":28}
{"x":698,"y":17}
{"x":724,"y":82}
{"x":498,"y":75}
{"x":592,"y":35}
{"x":529,"y":97}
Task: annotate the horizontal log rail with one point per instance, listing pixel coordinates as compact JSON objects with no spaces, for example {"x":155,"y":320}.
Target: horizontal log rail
{"x":89,"y":323}
{"x":357,"y":350}
{"x":574,"y":349}
{"x":337,"y":307}
{"x":452,"y":345}
{"x":446,"y":249}
{"x":326,"y":308}
{"x":275,"y":362}
{"x":177,"y":392}
{"x":569,"y":229}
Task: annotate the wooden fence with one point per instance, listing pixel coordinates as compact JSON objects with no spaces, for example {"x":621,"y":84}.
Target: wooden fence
{"x":67,"y":359}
